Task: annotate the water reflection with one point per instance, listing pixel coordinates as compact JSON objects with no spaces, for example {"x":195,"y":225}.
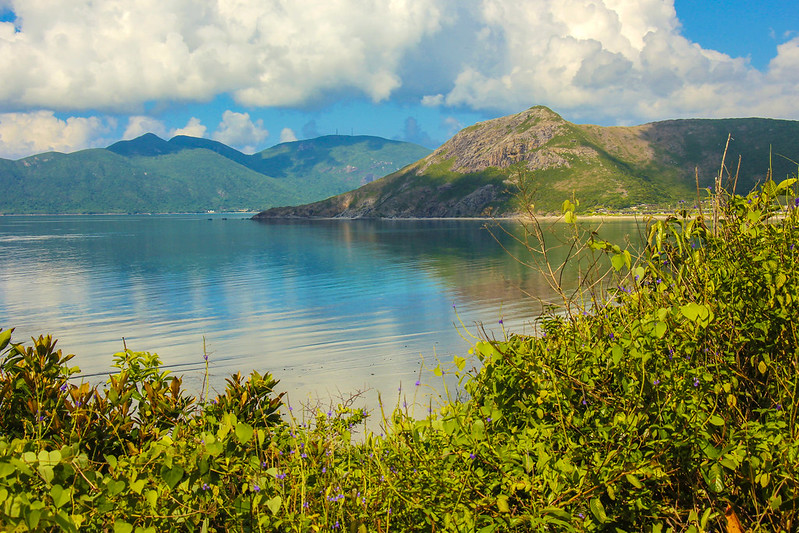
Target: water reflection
{"x":326,"y":306}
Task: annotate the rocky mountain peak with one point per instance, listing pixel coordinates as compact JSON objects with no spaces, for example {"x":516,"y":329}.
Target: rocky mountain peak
{"x":502,"y":142}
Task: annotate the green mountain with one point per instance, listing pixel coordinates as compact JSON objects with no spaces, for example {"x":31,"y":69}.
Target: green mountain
{"x":187,"y":174}
{"x":479,"y":169}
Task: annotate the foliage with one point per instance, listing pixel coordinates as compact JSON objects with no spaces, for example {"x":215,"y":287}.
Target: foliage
{"x":663,"y":402}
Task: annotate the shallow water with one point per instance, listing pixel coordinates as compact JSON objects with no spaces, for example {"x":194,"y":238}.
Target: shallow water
{"x":329,"y":307}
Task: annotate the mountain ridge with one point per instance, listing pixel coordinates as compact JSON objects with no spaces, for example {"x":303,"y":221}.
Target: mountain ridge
{"x":189,"y":174}
{"x":478,"y":170}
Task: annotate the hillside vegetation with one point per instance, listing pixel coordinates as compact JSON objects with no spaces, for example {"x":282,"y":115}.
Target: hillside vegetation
{"x":662,"y":396}
{"x":187,"y":174}
{"x":477,"y":172}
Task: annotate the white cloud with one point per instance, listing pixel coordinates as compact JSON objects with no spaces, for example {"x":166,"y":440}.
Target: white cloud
{"x":139,"y":125}
{"x":287,"y":135}
{"x":613,"y":59}
{"x":23,"y":134}
{"x":193,"y":129}
{"x":238,"y":131}
{"x":118,"y":55}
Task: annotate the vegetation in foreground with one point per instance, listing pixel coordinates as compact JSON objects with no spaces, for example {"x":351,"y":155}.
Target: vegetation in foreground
{"x":665,"y":403}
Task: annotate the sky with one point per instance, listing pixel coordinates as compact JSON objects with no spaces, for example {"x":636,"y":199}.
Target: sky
{"x":82,"y":74}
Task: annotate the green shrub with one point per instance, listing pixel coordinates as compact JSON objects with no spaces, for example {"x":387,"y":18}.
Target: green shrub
{"x":666,"y":402}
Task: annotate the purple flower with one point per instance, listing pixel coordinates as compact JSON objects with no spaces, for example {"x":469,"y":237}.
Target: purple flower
{"x":418,"y":382}
{"x":63,"y":387}
{"x":205,"y":486}
{"x":656,"y":382}
{"x":281,"y":475}
{"x":696,"y":382}
{"x":500,"y":321}
{"x":472,"y":456}
{"x":256,"y":488}
{"x":610,"y":335}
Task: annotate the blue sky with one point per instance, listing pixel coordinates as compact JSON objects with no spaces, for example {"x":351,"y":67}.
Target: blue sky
{"x":253,"y":73}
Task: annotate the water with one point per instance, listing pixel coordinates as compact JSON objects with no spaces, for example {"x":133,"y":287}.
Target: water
{"x":329,"y":307}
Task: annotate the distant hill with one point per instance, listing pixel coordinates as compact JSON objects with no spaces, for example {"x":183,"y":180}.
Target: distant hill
{"x":187,"y":174}
{"x":604,"y":167}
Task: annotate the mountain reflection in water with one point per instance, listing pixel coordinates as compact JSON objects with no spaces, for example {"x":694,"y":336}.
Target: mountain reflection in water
{"x":329,"y":306}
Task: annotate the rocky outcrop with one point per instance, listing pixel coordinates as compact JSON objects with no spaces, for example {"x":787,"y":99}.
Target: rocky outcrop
{"x":503,"y":142}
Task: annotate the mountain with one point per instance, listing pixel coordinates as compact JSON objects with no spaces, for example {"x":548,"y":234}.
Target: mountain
{"x":478,"y":170}
{"x":188,"y":174}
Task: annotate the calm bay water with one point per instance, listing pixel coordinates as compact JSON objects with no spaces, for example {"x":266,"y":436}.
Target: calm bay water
{"x":328,"y":307}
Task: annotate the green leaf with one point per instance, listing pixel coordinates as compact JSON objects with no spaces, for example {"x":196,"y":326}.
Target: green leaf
{"x":137,"y":486}
{"x":172,"y":476}
{"x":244,"y":432}
{"x":598,"y":510}
{"x":121,"y":526}
{"x":460,"y":362}
{"x":47,"y":473}
{"x":274,"y":504}
{"x":49,"y":458}
{"x":5,"y":338}
{"x":695,"y":312}
{"x":634,"y":481}
{"x":478,"y":430}
{"x":60,"y":495}
{"x":115,"y":487}
{"x":502,"y":504}
{"x":716,"y":478}
{"x":659,"y":330}
{"x":705,"y":518}
{"x":152,"y":498}
{"x":6,"y":469}
{"x":716,"y":420}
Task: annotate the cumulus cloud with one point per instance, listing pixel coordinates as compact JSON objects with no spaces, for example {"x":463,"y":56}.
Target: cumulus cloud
{"x":193,"y":128}
{"x":239,"y":131}
{"x":118,"y":54}
{"x":612,"y":59}
{"x":139,"y":125}
{"x":287,"y":135}
{"x":23,"y":134}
